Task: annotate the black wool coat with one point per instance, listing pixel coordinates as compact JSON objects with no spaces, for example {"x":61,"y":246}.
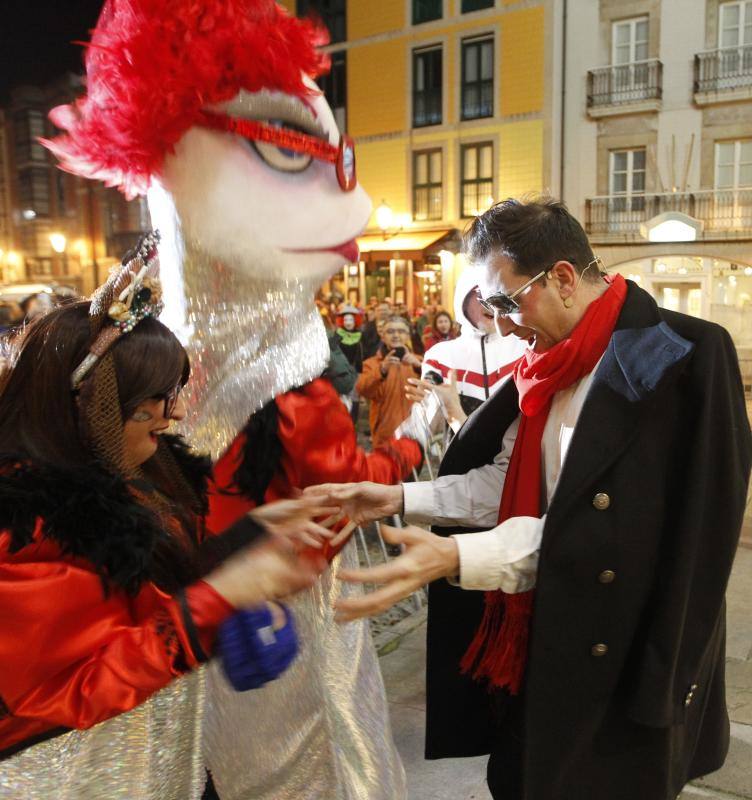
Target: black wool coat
{"x":624,"y":691}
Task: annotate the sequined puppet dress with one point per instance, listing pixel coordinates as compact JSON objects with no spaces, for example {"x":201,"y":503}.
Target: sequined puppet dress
{"x":254,"y":191}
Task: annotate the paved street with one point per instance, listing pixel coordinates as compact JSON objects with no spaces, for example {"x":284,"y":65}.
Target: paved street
{"x":463,"y":779}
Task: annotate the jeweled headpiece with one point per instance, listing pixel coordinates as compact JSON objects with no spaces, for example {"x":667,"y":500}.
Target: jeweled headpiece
{"x":131,"y":294}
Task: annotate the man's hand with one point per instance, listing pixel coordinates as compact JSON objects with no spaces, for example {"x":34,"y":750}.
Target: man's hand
{"x":361,"y":502}
{"x":389,"y":361}
{"x":426,"y":558}
{"x":293,"y":520}
{"x":416,"y":389}
{"x":411,"y":359}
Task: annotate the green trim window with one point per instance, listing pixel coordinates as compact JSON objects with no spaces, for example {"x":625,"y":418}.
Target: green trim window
{"x":476,"y":5}
{"x":427,"y":10}
{"x":477,"y":178}
{"x":477,"y":78}
{"x":427,"y":185}
{"x":427,"y":87}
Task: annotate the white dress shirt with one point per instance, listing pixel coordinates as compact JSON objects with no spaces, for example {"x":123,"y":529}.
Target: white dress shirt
{"x":505,"y":557}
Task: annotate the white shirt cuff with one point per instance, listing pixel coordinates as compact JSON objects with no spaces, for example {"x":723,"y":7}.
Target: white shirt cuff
{"x":506,"y":557}
{"x":418,"y":502}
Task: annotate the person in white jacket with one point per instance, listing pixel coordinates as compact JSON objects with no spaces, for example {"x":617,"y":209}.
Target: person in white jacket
{"x":472,"y":366}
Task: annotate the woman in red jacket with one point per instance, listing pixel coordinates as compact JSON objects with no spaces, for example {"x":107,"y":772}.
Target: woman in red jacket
{"x":111,"y":592}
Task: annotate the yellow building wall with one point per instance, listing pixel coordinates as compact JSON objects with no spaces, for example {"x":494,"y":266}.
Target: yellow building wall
{"x":522,"y":62}
{"x":376,"y":94}
{"x":382,"y":171}
{"x":290,"y":5}
{"x":372,"y":17}
{"x":520,"y":159}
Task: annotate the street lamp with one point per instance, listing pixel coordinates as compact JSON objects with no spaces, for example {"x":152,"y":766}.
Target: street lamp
{"x":389,"y":222}
{"x":59,"y":242}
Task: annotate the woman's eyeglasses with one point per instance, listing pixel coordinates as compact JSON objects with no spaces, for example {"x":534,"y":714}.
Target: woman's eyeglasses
{"x":170,"y":400}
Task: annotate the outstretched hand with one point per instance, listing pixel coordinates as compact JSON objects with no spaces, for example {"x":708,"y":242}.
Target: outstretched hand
{"x":361,"y":502}
{"x":293,"y":520}
{"x":426,"y":558}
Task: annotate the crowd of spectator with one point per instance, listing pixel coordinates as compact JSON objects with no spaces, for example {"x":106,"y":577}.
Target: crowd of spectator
{"x":445,"y":363}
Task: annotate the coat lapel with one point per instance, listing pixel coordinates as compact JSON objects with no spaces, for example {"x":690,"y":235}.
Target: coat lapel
{"x":638,"y":362}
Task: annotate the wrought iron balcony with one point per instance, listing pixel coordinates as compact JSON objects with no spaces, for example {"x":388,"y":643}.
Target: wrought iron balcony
{"x":724,"y":213}
{"x":725,"y":70}
{"x":625,"y":84}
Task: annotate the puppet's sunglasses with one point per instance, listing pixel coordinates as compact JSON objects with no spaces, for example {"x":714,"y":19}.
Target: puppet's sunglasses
{"x":289,"y":150}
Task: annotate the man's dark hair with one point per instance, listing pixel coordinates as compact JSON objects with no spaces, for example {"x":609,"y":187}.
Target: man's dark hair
{"x":534,"y":234}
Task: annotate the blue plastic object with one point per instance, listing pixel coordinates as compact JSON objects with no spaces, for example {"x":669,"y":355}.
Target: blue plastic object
{"x":252,"y":652}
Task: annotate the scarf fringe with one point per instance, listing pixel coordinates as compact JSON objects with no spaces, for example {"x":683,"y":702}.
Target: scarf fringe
{"x":498,"y":651}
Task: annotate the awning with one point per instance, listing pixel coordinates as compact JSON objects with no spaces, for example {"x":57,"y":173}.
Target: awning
{"x":401,"y":243}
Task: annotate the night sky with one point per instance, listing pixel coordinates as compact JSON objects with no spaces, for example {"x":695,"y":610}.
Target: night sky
{"x":36,"y":39}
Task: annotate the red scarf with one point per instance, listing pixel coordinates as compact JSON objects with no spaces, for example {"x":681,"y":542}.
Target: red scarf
{"x":498,"y":651}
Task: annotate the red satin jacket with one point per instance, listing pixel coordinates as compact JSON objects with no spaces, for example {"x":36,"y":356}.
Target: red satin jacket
{"x":319,"y":445}
{"x":71,"y":657}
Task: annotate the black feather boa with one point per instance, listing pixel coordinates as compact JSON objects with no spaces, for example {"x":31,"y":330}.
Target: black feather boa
{"x":92,"y":513}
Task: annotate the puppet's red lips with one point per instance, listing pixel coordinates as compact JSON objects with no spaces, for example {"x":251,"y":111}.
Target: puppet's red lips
{"x":349,"y":251}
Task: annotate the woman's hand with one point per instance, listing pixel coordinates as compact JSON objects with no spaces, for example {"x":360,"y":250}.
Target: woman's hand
{"x":294,"y":520}
{"x":270,"y":570}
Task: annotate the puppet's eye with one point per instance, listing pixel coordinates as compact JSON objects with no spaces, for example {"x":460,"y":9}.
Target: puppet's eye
{"x":282,"y":158}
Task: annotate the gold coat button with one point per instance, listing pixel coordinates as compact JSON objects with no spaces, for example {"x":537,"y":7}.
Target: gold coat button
{"x":599,"y":649}
{"x":601,"y":501}
{"x":607,"y":576}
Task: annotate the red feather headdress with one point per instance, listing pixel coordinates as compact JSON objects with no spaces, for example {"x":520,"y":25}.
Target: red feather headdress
{"x":152,"y":65}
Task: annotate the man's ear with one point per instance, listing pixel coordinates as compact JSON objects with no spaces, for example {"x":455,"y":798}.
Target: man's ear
{"x":565,"y":275}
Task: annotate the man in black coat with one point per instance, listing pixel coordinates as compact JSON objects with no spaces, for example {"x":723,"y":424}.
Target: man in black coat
{"x":645,"y":466}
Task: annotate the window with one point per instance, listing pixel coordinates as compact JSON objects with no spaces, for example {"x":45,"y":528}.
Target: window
{"x":28,"y":126}
{"x":427,"y":188}
{"x":427,"y":10}
{"x":735,"y":24}
{"x":334,"y":86}
{"x":476,"y":5}
{"x":477,"y":78}
{"x":733,"y":164}
{"x":735,"y":39}
{"x":34,"y":190}
{"x":627,"y":180}
{"x":477,"y":178}
{"x":629,"y":41}
{"x":427,"y":87}
{"x":333,"y":14}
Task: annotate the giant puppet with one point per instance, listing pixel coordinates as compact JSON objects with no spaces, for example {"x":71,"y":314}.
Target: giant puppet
{"x":209,"y":107}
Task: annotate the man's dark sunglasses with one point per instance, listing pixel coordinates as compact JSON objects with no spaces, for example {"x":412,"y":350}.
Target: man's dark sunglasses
{"x":504,"y":304}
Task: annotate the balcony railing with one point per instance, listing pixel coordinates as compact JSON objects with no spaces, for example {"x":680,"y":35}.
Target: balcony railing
{"x":723,"y":70}
{"x":625,"y":84}
{"x":724,"y":213}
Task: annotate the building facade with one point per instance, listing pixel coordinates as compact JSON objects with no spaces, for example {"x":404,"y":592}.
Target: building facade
{"x":658,"y":129}
{"x":451,"y":104}
{"x":55,"y":228}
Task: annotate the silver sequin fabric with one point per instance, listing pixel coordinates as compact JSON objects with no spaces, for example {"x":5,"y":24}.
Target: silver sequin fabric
{"x":150,"y":753}
{"x":319,"y":732}
{"x":248,"y":341}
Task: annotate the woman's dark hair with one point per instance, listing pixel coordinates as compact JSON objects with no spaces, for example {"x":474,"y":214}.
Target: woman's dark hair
{"x":38,"y":413}
{"x":534,"y":234}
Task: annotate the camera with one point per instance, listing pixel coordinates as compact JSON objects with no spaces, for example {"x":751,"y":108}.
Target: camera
{"x":399,"y":352}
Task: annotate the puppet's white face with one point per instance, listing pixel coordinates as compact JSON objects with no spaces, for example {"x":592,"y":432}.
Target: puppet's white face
{"x":260,"y":208}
